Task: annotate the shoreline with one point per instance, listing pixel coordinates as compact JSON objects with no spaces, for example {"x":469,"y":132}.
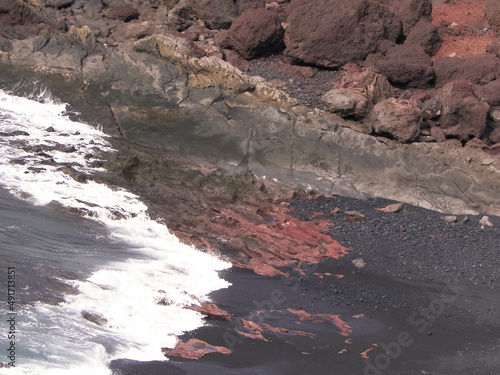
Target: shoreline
{"x":444,"y":320}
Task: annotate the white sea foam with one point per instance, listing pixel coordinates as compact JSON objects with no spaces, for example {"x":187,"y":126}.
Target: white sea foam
{"x":142,"y":299}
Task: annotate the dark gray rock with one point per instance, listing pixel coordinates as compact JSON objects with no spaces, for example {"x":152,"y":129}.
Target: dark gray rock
{"x":431,"y":109}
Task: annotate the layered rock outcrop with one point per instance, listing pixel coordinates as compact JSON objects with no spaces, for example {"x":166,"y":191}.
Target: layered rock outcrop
{"x":204,"y":107}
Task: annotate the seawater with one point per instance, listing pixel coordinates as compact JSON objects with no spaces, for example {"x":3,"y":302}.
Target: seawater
{"x":113,"y":262}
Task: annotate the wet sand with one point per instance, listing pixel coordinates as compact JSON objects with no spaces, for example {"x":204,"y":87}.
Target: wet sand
{"x":427,"y":302}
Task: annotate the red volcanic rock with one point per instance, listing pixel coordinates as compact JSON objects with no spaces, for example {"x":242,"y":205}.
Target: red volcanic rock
{"x":256,"y":32}
{"x":464,"y":115}
{"x":332,"y":33}
{"x":404,"y":64}
{"x":217,"y":14}
{"x":479,"y":69}
{"x":398,"y":117}
{"x":492,"y":13}
{"x":425,"y":35}
{"x":212,"y":311}
{"x":293,"y":70}
{"x":489,"y":92}
{"x":244,"y":5}
{"x":124,"y":12}
{"x":494,"y":48}
{"x":494,"y":136}
{"x":409,"y":11}
{"x":193,"y":349}
{"x":236,"y":60}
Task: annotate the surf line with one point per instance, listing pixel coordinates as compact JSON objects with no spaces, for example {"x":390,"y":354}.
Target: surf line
{"x":11,"y":317}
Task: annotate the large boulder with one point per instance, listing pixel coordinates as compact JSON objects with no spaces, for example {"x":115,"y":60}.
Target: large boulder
{"x":425,"y":35}
{"x":398,"y":118}
{"x":374,"y":85}
{"x":479,"y":69}
{"x":331,"y":33}
{"x":464,"y":115}
{"x":409,"y":11}
{"x":347,"y":103}
{"x":404,"y":65}
{"x":256,"y":32}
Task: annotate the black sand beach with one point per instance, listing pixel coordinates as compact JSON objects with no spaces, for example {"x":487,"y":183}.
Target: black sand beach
{"x":426,"y":302}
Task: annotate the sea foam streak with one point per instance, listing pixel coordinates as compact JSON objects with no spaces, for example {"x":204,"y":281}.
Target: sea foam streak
{"x":142,"y":299}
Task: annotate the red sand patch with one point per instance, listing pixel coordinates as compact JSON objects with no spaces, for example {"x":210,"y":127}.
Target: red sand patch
{"x":470,"y":31}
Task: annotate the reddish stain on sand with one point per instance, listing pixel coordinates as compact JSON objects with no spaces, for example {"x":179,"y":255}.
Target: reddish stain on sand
{"x":193,"y":349}
{"x":345,"y":329}
{"x":321,"y":275}
{"x":364,"y":354}
{"x":273,"y":238}
{"x":253,"y":330}
{"x":359,"y":316}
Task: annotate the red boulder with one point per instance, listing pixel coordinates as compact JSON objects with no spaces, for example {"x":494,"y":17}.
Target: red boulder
{"x":331,"y":33}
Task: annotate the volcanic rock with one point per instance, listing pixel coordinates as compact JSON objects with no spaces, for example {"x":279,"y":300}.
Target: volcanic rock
{"x":124,"y":12}
{"x":395,"y":207}
{"x":494,"y":114}
{"x":217,"y":14}
{"x":374,"y":85}
{"x":346,"y":102}
{"x":479,"y":69}
{"x":431,"y":109}
{"x":404,"y":64}
{"x":489,"y":92}
{"x":294,"y":71}
{"x":256,"y":32}
{"x":244,"y":5}
{"x":94,"y":318}
{"x":425,"y":35}
{"x":409,"y":11}
{"x":398,"y":118}
{"x":492,"y":13}
{"x":332,"y":33}
{"x":464,"y":115}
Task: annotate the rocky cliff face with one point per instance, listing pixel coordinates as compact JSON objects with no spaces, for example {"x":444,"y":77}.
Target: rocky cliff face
{"x":172,"y":91}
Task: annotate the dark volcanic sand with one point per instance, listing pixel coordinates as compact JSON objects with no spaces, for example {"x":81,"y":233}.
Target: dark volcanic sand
{"x":432,"y":285}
